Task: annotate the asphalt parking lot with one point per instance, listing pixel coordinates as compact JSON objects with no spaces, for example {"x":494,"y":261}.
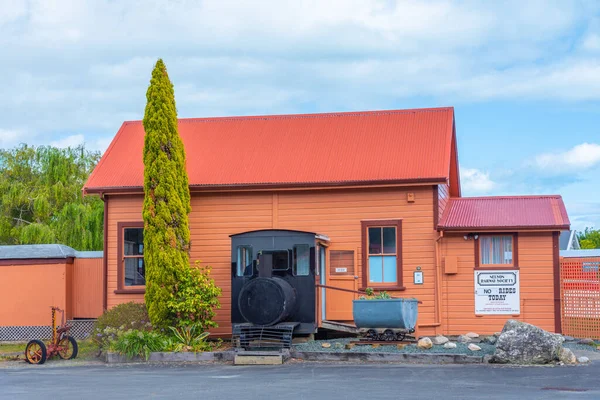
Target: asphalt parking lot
{"x":300,"y":381}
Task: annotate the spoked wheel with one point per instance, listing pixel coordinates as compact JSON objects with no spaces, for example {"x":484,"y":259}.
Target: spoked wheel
{"x":67,"y":348}
{"x":35,"y":352}
{"x":389,"y":335}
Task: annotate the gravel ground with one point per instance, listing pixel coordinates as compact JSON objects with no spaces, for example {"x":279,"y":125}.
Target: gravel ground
{"x":337,"y":346}
{"x":577,"y":346}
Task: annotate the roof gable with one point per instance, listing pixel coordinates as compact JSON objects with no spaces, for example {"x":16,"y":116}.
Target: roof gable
{"x":397,"y":146}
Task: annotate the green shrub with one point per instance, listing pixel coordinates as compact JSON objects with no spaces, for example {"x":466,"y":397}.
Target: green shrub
{"x":370,"y":295}
{"x":189,"y":338}
{"x":195,"y":299}
{"x":120,"y":318}
{"x":141,"y":343}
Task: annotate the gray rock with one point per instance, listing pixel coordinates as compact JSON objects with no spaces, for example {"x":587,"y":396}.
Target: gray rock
{"x":522,"y":343}
{"x":472,"y":335}
{"x":569,"y":338}
{"x":566,"y":356}
{"x":439,"y":340}
{"x":473,"y":347}
{"x":450,"y":345}
{"x":587,"y":341}
{"x":487,"y":358}
{"x":489,"y":340}
{"x":583,"y":360}
{"x":463,"y":339}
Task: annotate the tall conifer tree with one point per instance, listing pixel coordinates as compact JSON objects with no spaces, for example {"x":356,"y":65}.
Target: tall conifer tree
{"x":166,"y":199}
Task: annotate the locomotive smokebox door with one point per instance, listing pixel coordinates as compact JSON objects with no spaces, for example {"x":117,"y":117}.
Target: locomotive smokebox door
{"x":273,"y":280}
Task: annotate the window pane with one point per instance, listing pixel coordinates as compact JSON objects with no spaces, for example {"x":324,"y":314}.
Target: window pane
{"x":280,"y":259}
{"x":301,"y":260}
{"x":376,"y":269}
{"x":485,"y":247}
{"x":244,"y":261}
{"x":507,"y":249}
{"x":374,"y":240}
{"x":389,"y":240}
{"x":133,"y":241}
{"x":496,"y":250}
{"x":134,"y":271}
{"x":389,"y":269}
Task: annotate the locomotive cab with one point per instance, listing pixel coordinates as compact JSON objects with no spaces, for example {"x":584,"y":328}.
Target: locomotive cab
{"x":273,"y":280}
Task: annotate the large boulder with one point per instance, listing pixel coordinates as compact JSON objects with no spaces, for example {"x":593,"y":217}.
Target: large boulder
{"x":522,"y":343}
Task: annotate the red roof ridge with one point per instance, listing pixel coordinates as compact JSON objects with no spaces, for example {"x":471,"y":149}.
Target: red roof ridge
{"x":307,"y":115}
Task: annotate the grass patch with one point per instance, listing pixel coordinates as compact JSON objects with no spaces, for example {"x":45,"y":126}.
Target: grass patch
{"x":8,"y":351}
{"x":8,"y":348}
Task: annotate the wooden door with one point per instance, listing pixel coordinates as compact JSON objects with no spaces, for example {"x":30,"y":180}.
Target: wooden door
{"x":341,"y":273}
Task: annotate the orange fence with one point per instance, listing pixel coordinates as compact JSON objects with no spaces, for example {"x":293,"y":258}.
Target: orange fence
{"x":580,"y":297}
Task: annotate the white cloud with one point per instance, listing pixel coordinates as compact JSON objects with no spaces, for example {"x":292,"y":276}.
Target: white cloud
{"x":99,"y":144}
{"x":69,"y":141}
{"x":9,"y":138}
{"x":273,"y":56}
{"x":591,"y":42}
{"x":474,"y":181}
{"x":580,"y":157}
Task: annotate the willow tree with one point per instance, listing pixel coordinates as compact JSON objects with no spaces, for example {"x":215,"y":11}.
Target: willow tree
{"x":41,"y":200}
{"x":166,"y":200}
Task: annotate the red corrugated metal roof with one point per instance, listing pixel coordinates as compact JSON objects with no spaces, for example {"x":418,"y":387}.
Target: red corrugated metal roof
{"x":511,"y":212}
{"x":312,"y":149}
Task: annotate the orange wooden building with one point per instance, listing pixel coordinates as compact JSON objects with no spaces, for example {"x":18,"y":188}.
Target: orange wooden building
{"x":383,"y":186}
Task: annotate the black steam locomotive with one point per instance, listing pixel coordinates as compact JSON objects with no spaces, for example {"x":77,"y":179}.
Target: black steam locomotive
{"x":273,"y":284}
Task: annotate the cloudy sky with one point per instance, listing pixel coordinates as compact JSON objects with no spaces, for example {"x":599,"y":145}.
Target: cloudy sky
{"x":523,"y":76}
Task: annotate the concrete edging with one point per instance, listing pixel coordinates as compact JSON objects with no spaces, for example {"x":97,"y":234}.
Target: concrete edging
{"x":166,"y":356}
{"x":410,"y":358}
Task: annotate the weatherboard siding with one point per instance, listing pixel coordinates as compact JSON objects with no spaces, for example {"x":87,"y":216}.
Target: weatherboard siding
{"x":536,"y":286}
{"x":28,"y":290}
{"x":336,"y":213}
{"x":87,"y":288}
{"x":122,"y":208}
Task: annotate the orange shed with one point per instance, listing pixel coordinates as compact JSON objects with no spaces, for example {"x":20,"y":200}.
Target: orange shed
{"x":35,"y":277}
{"x":382,"y":186}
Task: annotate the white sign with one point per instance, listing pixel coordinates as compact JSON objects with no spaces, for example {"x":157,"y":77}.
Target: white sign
{"x":341,"y":270}
{"x":497,"y":292}
{"x":418,"y":277}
